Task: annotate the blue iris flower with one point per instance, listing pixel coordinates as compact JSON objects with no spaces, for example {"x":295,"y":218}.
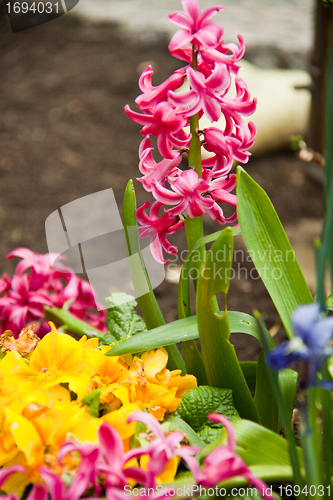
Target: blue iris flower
{"x":311,"y":344}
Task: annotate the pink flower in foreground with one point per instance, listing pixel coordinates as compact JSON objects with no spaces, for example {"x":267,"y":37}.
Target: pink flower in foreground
{"x":220,"y":189}
{"x":196,"y":28}
{"x":223,"y":462}
{"x":158,"y":229}
{"x":5,"y":283}
{"x":106,"y":460}
{"x":187,"y":193}
{"x":4,"y":474}
{"x":228,"y":146}
{"x":163,"y":448}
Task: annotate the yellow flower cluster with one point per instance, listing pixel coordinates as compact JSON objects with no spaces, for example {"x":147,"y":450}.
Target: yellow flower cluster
{"x":41,"y":397}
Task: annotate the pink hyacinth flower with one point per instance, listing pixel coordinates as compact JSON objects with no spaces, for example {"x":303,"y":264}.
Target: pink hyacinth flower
{"x":152,"y":170}
{"x":153,"y":95}
{"x":196,"y":28}
{"x":205,"y":93}
{"x":223,"y":462}
{"x":164,"y":122}
{"x":220,"y":189}
{"x":42,"y":263}
{"x":21,"y":304}
{"x":163,"y":448}
{"x":226,"y":53}
{"x":241,"y":104}
{"x":107,"y":460}
{"x":158,"y":228}
{"x":187,"y":193}
{"x":81,"y":292}
{"x":5,"y":283}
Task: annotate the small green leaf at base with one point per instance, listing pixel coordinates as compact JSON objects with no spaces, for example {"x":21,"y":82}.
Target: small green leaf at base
{"x":200,"y":401}
{"x":92,"y":400}
{"x":123,"y":321}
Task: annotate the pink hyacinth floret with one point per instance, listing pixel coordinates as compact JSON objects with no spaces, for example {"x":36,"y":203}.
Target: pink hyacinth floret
{"x":223,"y":462}
{"x":158,"y":228}
{"x":35,"y":284}
{"x":196,"y":28}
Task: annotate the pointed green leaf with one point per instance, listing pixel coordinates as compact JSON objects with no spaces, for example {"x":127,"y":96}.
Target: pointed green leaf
{"x":257,"y":445}
{"x":71,"y":323}
{"x":180,"y":331}
{"x":270,"y":249}
{"x":219,"y":355}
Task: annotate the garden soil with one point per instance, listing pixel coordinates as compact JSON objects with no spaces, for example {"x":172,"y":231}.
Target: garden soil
{"x":64,"y":135}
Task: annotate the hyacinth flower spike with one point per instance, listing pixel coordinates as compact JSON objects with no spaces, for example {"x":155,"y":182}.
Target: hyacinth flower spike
{"x":311,"y":344}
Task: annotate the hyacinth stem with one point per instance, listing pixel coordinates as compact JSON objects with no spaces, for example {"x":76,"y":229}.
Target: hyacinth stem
{"x":194,"y":231}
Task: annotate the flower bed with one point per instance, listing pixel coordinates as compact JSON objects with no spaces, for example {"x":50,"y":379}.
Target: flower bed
{"x":104,"y":405}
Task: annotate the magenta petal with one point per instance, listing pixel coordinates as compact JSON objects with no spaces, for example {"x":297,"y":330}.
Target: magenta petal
{"x":164,"y":195}
{"x":149,"y":421}
{"x":38,"y":492}
{"x":215,"y":417}
{"x":53,"y":483}
{"x":210,"y":12}
{"x":8,"y":471}
{"x":157,"y":251}
{"x":180,"y":19}
{"x":111,"y":445}
{"x":179,"y":39}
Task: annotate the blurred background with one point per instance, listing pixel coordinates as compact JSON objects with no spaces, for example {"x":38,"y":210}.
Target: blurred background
{"x":64,"y":134}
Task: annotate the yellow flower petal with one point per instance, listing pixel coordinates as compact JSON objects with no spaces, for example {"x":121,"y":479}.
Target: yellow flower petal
{"x":154,"y":363}
{"x":26,"y":437}
{"x":119,"y":418}
{"x":169,"y":472}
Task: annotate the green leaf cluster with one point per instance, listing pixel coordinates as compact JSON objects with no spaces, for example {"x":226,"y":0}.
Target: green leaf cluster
{"x":199,"y":402}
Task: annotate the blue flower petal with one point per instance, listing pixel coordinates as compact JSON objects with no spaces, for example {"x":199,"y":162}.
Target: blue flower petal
{"x":321,"y":334}
{"x":282,"y":357}
{"x":304,"y":319}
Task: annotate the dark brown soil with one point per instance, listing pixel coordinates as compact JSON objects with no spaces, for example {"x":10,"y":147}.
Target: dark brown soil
{"x":64,"y":135}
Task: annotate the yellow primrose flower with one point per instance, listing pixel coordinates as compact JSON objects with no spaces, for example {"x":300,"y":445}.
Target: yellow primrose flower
{"x":57,"y":359}
{"x":41,"y":398}
{"x":155,"y":388}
